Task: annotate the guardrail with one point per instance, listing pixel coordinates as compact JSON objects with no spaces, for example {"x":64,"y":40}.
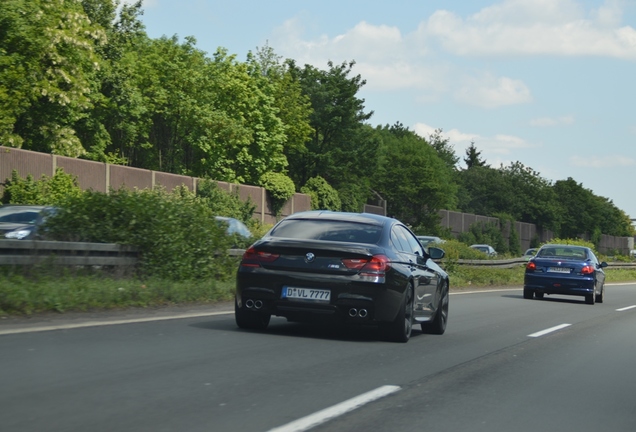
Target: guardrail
{"x":28,"y":252}
{"x":516,"y":262}
{"x":32,"y":252}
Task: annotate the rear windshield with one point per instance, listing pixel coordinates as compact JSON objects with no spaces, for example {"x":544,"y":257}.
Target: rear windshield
{"x":339,"y":231}
{"x":563,"y":252}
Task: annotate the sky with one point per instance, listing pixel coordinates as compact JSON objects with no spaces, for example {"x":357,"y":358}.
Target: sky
{"x":548,"y":83}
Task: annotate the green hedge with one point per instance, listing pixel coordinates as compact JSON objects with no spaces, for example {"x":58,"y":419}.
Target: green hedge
{"x":176,"y":233}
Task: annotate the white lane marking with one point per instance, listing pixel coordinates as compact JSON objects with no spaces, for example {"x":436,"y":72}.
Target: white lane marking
{"x":334,"y":411}
{"x":625,"y":308}
{"x":550,"y":330}
{"x":105,"y":323}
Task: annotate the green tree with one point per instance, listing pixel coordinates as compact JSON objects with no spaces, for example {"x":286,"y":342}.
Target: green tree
{"x":586,"y":213}
{"x":48,"y":67}
{"x":280,"y":188}
{"x":342,"y":149}
{"x":532,"y":198}
{"x":484,"y":191}
{"x":413,"y":179}
{"x":323,"y":196}
{"x":444,"y":149}
{"x":473,"y":158}
{"x":293,"y":106}
{"x":118,"y":128}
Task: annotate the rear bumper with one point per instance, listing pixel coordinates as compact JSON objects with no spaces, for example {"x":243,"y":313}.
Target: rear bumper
{"x":581,"y":286}
{"x":356,"y":303}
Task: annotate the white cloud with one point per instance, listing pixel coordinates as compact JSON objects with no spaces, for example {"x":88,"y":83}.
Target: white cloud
{"x":550,"y":121}
{"x":365,"y":43}
{"x":535,"y":27}
{"x":391,"y":60}
{"x":610,"y":161}
{"x":145,"y":5}
{"x":609,"y":14}
{"x":493,"y":149}
{"x":386,"y":59}
{"x":491,"y":92}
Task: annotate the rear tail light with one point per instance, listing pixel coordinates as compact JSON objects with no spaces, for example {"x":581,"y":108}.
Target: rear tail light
{"x":531,"y":266}
{"x":586,"y":270}
{"x":254,"y":258}
{"x":377,"y":264}
{"x":355,"y":264}
{"x":375,"y":269}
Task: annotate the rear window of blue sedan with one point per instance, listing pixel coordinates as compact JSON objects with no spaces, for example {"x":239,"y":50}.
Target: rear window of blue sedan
{"x":339,"y":231}
{"x":563,"y":252}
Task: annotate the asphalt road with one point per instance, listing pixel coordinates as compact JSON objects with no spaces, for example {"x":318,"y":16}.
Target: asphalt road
{"x":504,"y":364}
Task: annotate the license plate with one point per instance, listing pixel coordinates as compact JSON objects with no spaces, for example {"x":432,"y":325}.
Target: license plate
{"x":558,"y":270}
{"x":306,"y":294}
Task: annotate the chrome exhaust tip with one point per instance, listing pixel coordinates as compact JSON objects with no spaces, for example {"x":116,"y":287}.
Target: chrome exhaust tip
{"x":249,"y":303}
{"x":353,"y":312}
{"x":258,"y":304}
{"x":362,"y":313}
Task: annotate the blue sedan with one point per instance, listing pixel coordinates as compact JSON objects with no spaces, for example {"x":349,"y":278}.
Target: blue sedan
{"x":566,"y":270}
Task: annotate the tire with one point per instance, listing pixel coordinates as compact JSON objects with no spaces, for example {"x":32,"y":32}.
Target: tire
{"x":250,"y":320}
{"x":600,"y":297}
{"x":538,"y":295}
{"x":528,"y":294}
{"x":589,"y":299}
{"x":400,"y":329}
{"x":438,"y":324}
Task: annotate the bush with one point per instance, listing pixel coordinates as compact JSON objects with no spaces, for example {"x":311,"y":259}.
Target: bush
{"x":176,"y":233}
{"x":223,"y":203}
{"x":485,"y":233}
{"x":280,"y":189}
{"x":323,"y":196}
{"x":46,"y":191}
{"x":455,"y":250}
{"x":574,"y":242}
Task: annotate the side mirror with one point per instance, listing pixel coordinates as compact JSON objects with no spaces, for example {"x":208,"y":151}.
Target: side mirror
{"x":436,"y":253}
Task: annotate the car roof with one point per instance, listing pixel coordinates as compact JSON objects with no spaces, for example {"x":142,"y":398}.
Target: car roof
{"x":559,"y":245}
{"x":24,"y":206}
{"x":368,"y":218}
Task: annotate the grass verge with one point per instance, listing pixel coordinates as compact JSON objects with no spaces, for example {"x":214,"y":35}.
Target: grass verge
{"x":26,"y":293}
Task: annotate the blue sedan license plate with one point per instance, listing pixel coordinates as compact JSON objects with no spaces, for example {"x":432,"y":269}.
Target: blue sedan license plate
{"x":559,"y":270}
{"x":306,"y":294}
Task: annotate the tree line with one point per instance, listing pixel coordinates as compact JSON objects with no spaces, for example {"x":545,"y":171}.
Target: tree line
{"x":81,"y":78}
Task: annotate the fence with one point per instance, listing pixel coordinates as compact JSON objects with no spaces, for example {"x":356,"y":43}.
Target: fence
{"x":103,"y":177}
{"x":460,"y":222}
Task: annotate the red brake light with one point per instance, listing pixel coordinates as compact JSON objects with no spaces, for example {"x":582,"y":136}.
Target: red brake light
{"x":354,"y":264}
{"x":378,"y":265}
{"x":254,"y":258}
{"x":531,"y":266}
{"x":587,"y":270}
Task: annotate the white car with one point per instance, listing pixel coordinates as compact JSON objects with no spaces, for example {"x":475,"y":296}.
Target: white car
{"x":425,"y":240}
{"x":487,"y":249}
